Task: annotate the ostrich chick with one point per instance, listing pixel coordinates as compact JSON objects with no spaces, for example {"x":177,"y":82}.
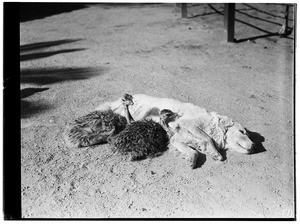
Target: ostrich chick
{"x":145,"y":138}
{"x":95,"y":127}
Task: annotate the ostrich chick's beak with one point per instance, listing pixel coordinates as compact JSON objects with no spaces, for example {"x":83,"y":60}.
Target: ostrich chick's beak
{"x":172,"y":116}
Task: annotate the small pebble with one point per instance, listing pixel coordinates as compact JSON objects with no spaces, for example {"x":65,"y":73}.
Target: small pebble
{"x":252,"y":41}
{"x":129,"y":206}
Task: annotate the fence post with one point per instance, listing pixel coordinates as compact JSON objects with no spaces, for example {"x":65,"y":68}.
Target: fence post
{"x":184,"y":10}
{"x":229,"y":17}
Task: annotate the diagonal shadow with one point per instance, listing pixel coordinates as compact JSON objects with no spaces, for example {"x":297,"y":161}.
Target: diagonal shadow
{"x":256,"y":37}
{"x":41,"y":45}
{"x":258,"y":18}
{"x":248,"y":24}
{"x":30,"y":91}
{"x":26,"y":57}
{"x":204,"y":14}
{"x":44,"y":76}
{"x":28,"y":109}
{"x":211,"y":13}
{"x":268,"y":33}
{"x":267,"y":13}
{"x":32,"y":11}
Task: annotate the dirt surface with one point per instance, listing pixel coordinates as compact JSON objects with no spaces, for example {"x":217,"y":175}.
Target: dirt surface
{"x":73,"y":61}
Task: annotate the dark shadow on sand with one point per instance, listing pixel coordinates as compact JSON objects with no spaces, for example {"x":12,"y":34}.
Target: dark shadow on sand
{"x":46,"y":44}
{"x":200,"y":160}
{"x":30,"y":91}
{"x":26,"y":57}
{"x":29,"y":109}
{"x":31,"y":11}
{"x":50,"y":75}
{"x":258,"y":139}
{"x":257,"y":37}
{"x":43,"y":76}
{"x":223,"y":154}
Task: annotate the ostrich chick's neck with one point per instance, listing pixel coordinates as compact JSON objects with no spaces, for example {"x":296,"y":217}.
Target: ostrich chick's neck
{"x":165,"y":125}
{"x":127,"y":114}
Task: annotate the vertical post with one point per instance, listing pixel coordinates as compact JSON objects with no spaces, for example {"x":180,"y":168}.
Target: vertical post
{"x":284,"y":30}
{"x":229,"y":16}
{"x":286,"y":16}
{"x":184,"y":10}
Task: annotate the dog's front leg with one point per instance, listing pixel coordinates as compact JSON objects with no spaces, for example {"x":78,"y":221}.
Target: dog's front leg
{"x":210,"y":146}
{"x":191,"y":154}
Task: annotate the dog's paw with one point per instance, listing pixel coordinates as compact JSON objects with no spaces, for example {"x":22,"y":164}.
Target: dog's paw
{"x":217,"y":157}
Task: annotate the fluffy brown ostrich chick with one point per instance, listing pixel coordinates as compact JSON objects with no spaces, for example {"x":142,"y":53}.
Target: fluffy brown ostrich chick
{"x":95,"y":127}
{"x":145,"y":138}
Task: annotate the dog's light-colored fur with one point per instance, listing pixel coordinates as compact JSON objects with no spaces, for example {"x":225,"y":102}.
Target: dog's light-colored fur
{"x":204,"y":130}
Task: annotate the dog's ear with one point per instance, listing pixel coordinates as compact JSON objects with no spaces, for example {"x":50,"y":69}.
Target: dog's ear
{"x":224,"y":122}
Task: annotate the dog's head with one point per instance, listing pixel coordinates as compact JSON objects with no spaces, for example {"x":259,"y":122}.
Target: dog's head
{"x":234,"y":136}
{"x":237,"y":139}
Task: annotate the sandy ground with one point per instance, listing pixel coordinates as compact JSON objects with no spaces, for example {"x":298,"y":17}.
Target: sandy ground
{"x":72,"y":62}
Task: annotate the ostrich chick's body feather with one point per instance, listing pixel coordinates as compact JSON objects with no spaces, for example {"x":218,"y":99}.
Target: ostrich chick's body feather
{"x":94,"y":128}
{"x":140,"y":139}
